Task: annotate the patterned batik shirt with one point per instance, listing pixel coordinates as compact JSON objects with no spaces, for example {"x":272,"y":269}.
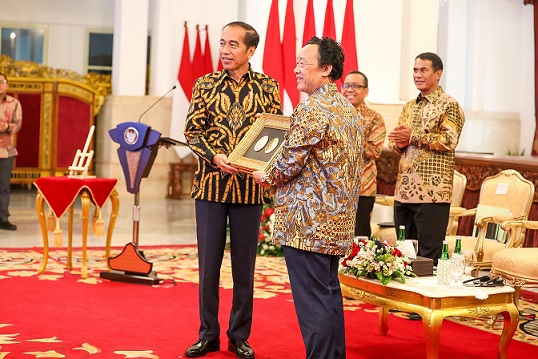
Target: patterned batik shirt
{"x":317,"y":175}
{"x":426,"y":168}
{"x":11,"y":113}
{"x":220,"y":114}
{"x":374,"y":137}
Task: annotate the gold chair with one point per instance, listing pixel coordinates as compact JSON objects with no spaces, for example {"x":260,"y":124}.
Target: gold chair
{"x":518,"y":266}
{"x":458,"y":188}
{"x":506,"y":190}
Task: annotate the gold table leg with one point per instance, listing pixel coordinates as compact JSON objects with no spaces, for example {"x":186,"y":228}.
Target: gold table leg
{"x":511,"y":320}
{"x":70,"y":237}
{"x":85,"y":198}
{"x":115,"y":202}
{"x":40,"y":206}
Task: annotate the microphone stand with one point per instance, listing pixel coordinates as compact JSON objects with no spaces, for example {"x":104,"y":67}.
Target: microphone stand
{"x":136,"y":138}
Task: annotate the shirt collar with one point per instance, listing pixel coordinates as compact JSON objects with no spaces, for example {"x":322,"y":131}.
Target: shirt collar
{"x":432,"y":97}
{"x":224,"y":74}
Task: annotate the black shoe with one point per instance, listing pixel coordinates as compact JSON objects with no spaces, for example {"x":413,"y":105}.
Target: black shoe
{"x":7,"y":226}
{"x":414,"y":316}
{"x":202,"y":347}
{"x":240,"y":348}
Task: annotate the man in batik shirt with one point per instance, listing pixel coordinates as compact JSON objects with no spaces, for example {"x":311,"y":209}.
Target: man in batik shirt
{"x":223,"y":108}
{"x":10,"y":124}
{"x":317,"y":180}
{"x":426,"y":136}
{"x":355,"y":89}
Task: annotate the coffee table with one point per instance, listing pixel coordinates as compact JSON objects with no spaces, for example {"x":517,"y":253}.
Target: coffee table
{"x":422,"y":295}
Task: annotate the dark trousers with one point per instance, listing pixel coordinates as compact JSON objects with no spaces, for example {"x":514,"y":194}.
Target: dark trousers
{"x":318,"y":302}
{"x":425,"y":222}
{"x":6,"y":167}
{"x":364,"y":213}
{"x":211,"y":220}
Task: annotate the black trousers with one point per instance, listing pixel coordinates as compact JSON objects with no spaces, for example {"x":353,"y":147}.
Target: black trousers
{"x":6,"y":167}
{"x":211,"y":221}
{"x":364,"y":214}
{"x":425,"y":222}
{"x":318,"y":302}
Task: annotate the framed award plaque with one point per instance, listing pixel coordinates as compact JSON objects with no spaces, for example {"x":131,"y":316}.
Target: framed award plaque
{"x":261,"y":143}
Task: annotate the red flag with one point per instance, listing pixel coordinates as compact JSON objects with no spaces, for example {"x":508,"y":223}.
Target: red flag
{"x":289,"y":55}
{"x":198,"y":59}
{"x":185,"y":75}
{"x":208,"y":59}
{"x":272,"y":54}
{"x":349,"y":43}
{"x":329,"y":28}
{"x":309,"y":22}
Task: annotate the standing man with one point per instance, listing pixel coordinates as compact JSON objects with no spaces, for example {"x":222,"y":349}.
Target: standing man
{"x":427,"y":134}
{"x":222,"y":109}
{"x":355,"y":89}
{"x":317,"y":180}
{"x":10,"y":124}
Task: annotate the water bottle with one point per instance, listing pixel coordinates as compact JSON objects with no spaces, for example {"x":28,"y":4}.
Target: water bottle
{"x":401,"y":233}
{"x":444,"y":276}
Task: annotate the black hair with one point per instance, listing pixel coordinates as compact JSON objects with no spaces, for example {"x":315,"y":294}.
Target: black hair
{"x":330,"y":53}
{"x":252,"y":38}
{"x":357,"y":72}
{"x":437,"y":63}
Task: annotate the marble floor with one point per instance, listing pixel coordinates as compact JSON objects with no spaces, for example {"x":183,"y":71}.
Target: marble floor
{"x":162,"y":222}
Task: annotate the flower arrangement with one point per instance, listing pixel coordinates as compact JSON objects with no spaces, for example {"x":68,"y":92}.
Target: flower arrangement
{"x":374,"y":259}
{"x":265,"y":243}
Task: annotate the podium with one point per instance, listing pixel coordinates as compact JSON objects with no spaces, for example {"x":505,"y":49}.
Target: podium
{"x":139,"y":145}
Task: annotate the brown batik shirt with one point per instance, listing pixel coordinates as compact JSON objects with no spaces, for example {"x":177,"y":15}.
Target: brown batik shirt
{"x":426,"y":168}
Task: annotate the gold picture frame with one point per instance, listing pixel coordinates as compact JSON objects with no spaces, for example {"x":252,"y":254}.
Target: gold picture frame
{"x":261,"y":143}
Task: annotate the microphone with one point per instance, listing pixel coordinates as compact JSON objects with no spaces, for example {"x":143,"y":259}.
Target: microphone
{"x":160,"y":98}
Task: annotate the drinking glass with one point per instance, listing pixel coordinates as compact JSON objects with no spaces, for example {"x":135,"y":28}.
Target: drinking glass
{"x":469,"y":264}
{"x":457,"y":268}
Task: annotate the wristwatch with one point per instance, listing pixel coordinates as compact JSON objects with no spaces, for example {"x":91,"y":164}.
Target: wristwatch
{"x":262,"y":179}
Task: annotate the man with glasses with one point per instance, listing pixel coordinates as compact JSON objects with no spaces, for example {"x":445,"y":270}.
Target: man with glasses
{"x":10,"y":124}
{"x":355,"y":89}
{"x":317,"y":180}
{"x":426,"y":137}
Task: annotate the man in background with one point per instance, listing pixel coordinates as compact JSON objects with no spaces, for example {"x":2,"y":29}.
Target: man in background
{"x":355,"y":89}
{"x":10,"y":124}
{"x":222,"y":109}
{"x":317,"y":179}
{"x":426,"y":136}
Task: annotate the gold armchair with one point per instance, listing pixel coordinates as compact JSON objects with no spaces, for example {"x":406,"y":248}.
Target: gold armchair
{"x":506,"y":190}
{"x":518,"y":266}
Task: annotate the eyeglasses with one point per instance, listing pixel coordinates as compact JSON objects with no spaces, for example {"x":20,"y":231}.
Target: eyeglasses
{"x":302,"y":64}
{"x":353,"y":86}
{"x":3,"y":82}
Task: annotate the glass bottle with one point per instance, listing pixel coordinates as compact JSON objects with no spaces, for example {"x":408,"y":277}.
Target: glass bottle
{"x":401,"y":233}
{"x":444,"y":276}
{"x":457,"y":249}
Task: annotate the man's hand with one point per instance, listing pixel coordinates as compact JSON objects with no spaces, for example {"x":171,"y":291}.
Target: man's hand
{"x":259,"y":178}
{"x":223,"y":163}
{"x":400,"y":135}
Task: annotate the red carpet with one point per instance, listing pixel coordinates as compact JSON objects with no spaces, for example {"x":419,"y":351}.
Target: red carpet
{"x":57,"y":315}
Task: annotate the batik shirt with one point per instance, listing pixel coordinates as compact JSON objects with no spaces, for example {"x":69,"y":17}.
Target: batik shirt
{"x":374,"y":137}
{"x":10,"y":112}
{"x":426,"y":168}
{"x":317,"y":175}
{"x":220,"y":114}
